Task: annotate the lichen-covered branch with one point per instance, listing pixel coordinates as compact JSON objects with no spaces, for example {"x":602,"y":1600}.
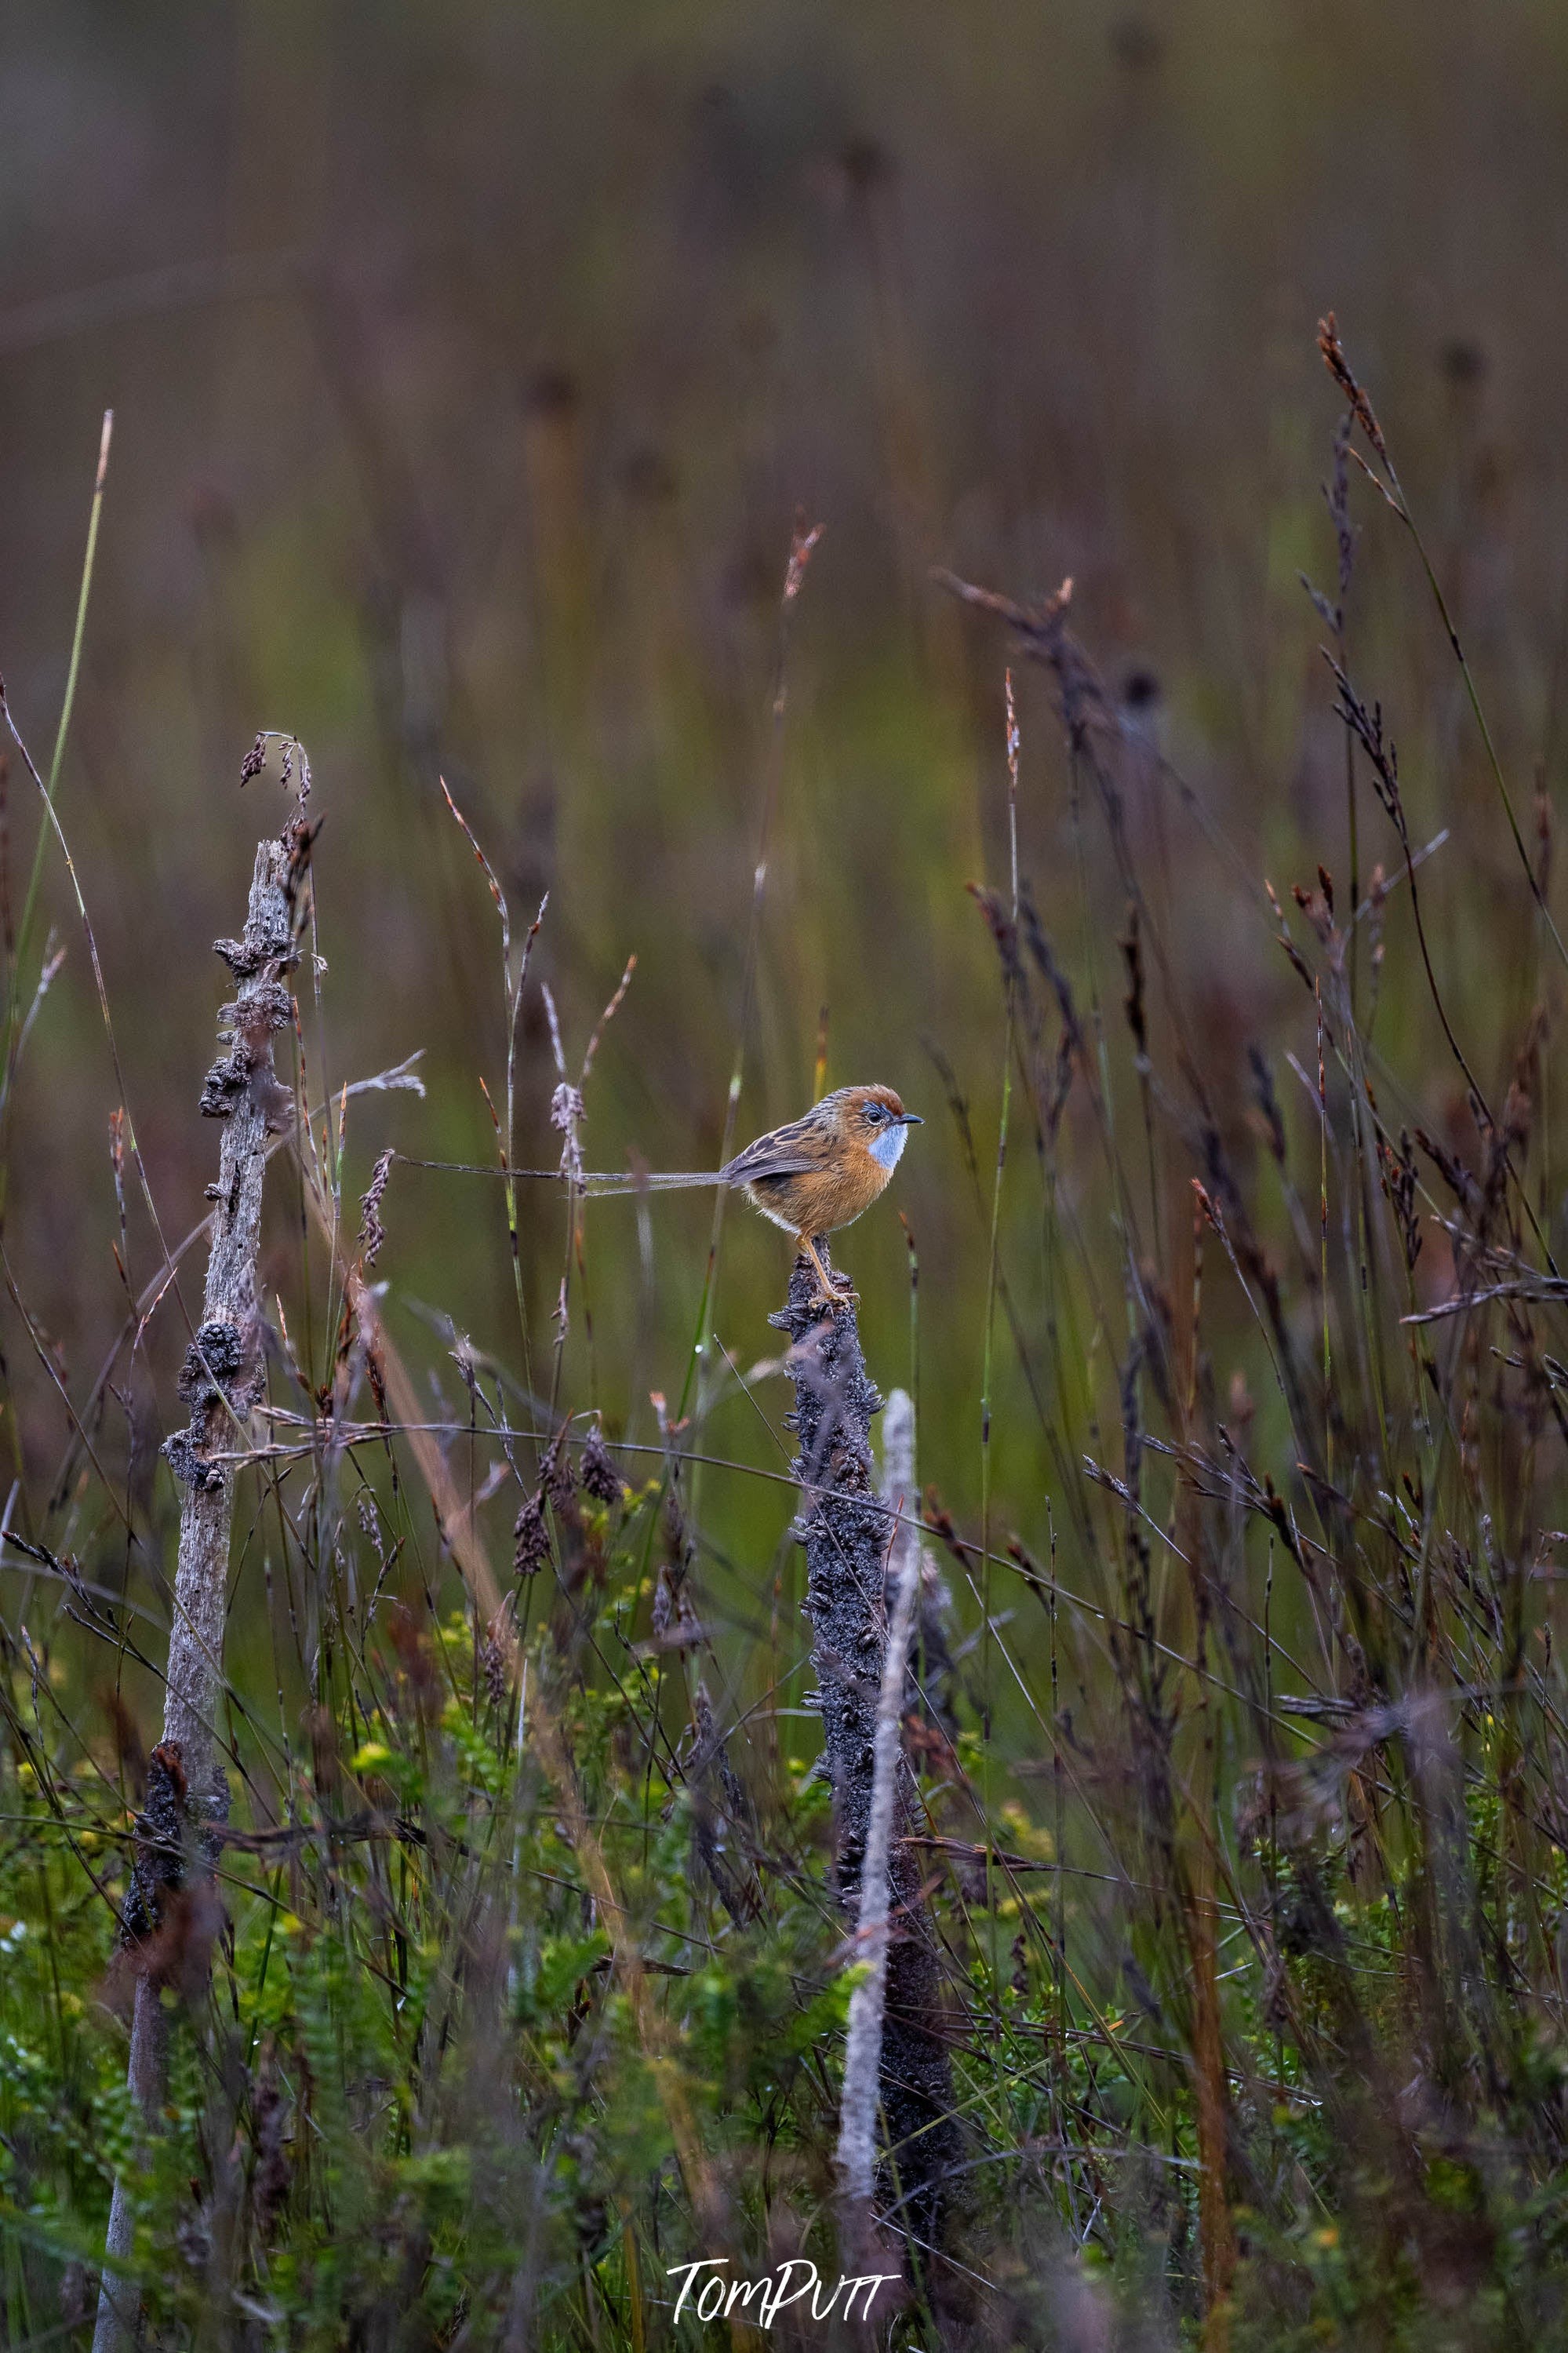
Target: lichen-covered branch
{"x":181,"y":1827}
{"x":846,"y":1528}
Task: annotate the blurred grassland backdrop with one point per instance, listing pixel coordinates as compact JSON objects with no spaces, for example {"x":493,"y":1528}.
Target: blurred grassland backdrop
{"x":469,"y":368}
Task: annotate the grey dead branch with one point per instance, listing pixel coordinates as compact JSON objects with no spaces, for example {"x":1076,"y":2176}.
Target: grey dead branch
{"x":172,"y":1912}
{"x":846,"y":1530}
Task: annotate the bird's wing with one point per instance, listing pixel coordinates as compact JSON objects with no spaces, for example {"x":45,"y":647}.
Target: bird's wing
{"x":791,"y":1151}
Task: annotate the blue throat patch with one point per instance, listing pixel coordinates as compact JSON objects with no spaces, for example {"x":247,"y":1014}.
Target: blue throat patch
{"x":886,"y":1146}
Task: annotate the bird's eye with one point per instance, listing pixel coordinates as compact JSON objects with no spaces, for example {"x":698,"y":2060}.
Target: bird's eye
{"x":876,"y":1113}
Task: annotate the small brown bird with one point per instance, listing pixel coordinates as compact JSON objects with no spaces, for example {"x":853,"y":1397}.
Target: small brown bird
{"x":813,"y":1175}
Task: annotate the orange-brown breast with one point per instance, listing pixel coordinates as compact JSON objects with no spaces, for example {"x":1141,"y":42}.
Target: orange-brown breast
{"x":820,"y":1200}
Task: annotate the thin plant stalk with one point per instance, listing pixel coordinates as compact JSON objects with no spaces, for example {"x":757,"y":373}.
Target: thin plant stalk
{"x":801,"y":547}
{"x":1393,"y":497}
{"x":34,"y":880}
{"x":991,"y":1274}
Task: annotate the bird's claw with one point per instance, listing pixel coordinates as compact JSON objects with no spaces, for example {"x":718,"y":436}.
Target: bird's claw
{"x":842,"y":1295}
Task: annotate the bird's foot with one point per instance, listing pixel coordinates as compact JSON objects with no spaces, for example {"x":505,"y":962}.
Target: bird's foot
{"x":833,"y":1290}
{"x":840,"y":1294}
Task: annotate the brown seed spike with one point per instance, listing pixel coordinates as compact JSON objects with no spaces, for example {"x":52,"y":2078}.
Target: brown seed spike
{"x":600,"y":1477}
{"x":555,"y":1475}
{"x":371,"y":1232}
{"x":1338,"y":367}
{"x":531,"y":1538}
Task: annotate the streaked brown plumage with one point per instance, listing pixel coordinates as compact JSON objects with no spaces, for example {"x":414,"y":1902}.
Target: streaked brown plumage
{"x":815,"y":1173}
{"x":821,"y":1172}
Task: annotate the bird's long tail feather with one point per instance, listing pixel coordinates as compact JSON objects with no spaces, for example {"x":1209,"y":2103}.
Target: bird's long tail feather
{"x":652,"y":1181}
{"x":593,"y":1180}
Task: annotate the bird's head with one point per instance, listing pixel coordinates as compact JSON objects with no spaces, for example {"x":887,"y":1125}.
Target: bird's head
{"x":874,"y":1118}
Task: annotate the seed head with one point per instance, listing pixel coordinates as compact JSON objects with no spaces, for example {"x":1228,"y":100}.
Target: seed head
{"x":531,"y":1546}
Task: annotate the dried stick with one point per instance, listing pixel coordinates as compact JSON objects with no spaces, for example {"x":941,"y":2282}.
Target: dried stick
{"x":170,"y":1915}
{"x":844,"y":1527}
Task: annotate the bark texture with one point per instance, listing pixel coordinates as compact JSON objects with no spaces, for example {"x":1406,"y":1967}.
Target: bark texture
{"x":845,"y":1529}
{"x":170,"y":1912}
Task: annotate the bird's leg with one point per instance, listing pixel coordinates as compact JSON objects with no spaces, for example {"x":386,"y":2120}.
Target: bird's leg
{"x":833,"y":1294}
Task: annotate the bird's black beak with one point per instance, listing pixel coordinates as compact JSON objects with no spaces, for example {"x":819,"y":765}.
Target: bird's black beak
{"x":911,"y":1119}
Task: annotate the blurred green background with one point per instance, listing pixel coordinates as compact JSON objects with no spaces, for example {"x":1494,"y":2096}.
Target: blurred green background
{"x":470,"y":366}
